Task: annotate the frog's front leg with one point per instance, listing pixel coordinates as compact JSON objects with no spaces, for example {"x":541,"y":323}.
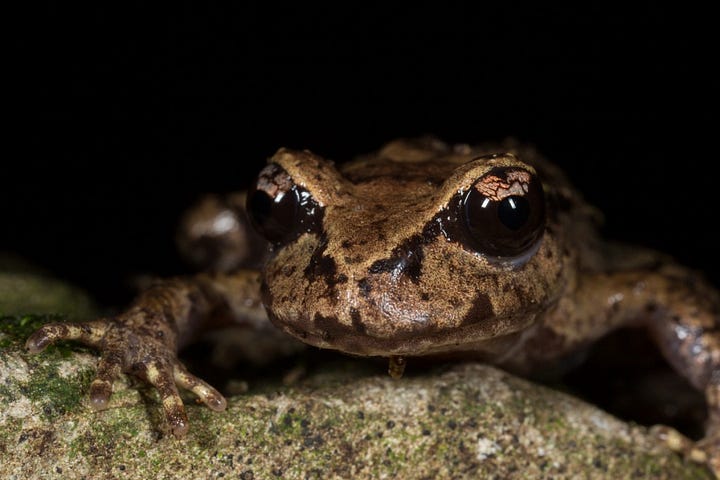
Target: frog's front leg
{"x":145,"y":339}
{"x":679,"y":309}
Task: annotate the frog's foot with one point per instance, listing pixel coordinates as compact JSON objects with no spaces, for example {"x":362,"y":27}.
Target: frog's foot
{"x":710,"y":445}
{"x":135,"y":351}
{"x":706,"y":451}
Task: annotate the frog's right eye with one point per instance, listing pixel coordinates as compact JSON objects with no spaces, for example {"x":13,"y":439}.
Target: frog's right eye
{"x":278,"y":208}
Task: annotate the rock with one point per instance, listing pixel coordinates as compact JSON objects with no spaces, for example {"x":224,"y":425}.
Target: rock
{"x":26,"y":289}
{"x":346,"y":420}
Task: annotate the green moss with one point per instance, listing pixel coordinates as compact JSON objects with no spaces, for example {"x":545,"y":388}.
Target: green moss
{"x":15,"y":329}
{"x":555,"y":423}
{"x":7,"y":395}
{"x":108,"y":435}
{"x":205,"y":438}
{"x":9,"y":432}
{"x":644,"y":465}
{"x":56,"y":394}
{"x":394,"y":459}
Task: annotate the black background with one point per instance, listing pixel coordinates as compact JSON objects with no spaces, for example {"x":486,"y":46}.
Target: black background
{"x":119,"y":119}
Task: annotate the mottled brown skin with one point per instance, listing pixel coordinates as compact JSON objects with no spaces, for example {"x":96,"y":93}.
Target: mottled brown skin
{"x":381,"y":273}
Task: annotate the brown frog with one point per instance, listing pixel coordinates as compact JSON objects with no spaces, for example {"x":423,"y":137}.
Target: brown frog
{"x":420,"y":249}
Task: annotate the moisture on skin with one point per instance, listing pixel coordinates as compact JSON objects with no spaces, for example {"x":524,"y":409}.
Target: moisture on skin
{"x":396,"y":255}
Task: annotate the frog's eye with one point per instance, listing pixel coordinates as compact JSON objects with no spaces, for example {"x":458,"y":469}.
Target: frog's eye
{"x":504,"y":212}
{"x":273,"y":204}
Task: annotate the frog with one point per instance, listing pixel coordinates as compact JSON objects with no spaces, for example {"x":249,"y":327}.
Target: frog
{"x":420,"y":250}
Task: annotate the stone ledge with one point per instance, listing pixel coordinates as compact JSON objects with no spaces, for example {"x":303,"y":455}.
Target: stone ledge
{"x":466,"y":421}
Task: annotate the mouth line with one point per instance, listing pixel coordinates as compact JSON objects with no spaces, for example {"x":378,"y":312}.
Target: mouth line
{"x":415,"y":344}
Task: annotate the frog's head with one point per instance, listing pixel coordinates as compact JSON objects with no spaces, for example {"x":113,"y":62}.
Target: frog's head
{"x":404,"y":254}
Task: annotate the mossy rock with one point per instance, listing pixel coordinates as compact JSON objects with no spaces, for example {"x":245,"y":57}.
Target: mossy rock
{"x":344,"y":421}
{"x":26,"y":289}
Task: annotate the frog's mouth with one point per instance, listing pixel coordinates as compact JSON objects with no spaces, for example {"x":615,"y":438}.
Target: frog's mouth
{"x":331,"y":334}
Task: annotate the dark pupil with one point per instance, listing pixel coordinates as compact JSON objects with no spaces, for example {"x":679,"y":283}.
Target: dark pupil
{"x":260,"y":205}
{"x":273,"y":217}
{"x":514,"y":212}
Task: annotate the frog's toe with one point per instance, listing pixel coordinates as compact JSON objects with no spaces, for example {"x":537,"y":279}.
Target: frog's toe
{"x":88,"y":333}
{"x":707,"y":451}
{"x":207,"y":394}
{"x":672,"y":439}
{"x":159,"y":375}
{"x":108,"y":370}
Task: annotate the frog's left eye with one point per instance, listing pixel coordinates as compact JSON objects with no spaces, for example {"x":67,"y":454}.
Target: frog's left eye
{"x":277,"y":207}
{"x":504,"y":212}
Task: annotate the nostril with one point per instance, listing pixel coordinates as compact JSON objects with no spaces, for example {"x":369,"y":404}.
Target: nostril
{"x":406,"y":259}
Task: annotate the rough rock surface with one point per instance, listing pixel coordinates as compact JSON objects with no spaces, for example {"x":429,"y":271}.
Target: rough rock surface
{"x":343,"y":421}
{"x":24,"y":290}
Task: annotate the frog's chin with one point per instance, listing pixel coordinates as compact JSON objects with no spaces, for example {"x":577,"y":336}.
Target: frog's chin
{"x":458,"y":340}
